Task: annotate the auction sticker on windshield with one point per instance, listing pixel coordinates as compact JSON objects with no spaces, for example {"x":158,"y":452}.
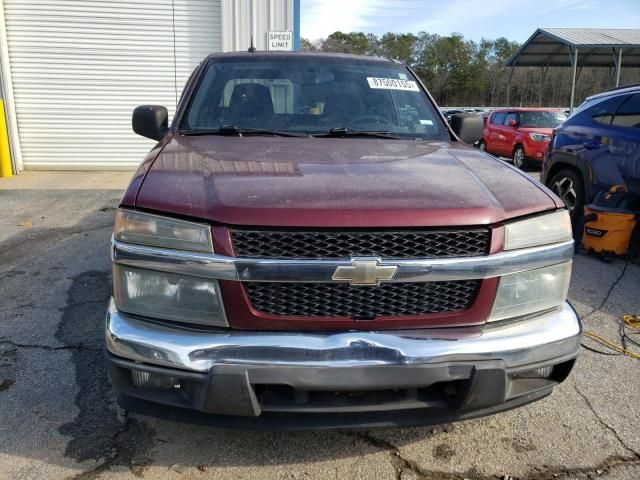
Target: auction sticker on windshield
{"x":392,"y":84}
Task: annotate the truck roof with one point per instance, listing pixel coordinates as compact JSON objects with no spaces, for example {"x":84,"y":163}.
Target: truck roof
{"x":275,"y":54}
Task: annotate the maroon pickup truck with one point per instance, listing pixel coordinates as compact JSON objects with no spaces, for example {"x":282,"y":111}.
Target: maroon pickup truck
{"x":311,"y":245}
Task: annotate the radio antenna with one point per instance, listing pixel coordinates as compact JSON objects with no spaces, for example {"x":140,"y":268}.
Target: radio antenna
{"x":251,"y":47}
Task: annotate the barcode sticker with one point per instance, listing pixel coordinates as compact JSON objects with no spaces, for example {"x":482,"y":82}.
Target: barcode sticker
{"x":392,"y":84}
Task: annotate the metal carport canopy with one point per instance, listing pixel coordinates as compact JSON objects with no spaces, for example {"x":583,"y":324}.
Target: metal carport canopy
{"x":580,"y":47}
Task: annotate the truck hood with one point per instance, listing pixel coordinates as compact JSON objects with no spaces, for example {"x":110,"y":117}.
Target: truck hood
{"x":335,"y":182}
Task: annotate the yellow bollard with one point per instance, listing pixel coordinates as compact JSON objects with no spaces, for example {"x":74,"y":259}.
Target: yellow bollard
{"x":5,"y":152}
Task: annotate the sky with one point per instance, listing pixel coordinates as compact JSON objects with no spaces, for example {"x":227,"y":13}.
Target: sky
{"x":475,"y":19}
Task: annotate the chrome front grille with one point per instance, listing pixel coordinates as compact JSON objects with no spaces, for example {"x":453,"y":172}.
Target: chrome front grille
{"x":361,"y":303}
{"x":345,"y":244}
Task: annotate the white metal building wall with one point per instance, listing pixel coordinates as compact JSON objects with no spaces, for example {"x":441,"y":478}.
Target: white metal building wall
{"x":79,"y":67}
{"x":242,"y":19}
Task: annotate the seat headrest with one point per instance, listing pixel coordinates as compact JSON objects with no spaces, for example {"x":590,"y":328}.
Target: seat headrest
{"x":251,"y":100}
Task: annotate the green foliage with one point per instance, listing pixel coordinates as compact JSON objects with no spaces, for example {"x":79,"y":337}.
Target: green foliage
{"x":354,"y":42}
{"x":399,"y":46}
{"x":448,"y":65}
{"x":307,"y":46}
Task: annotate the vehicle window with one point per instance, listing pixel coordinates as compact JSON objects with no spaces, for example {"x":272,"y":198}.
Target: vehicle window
{"x":498,"y":118}
{"x":539,"y":119}
{"x":583,"y":106}
{"x":312,"y":95}
{"x":510,"y":116}
{"x":628,"y":115}
{"x":603,"y":112}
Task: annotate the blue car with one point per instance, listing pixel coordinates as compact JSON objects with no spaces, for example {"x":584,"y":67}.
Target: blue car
{"x":595,"y":148}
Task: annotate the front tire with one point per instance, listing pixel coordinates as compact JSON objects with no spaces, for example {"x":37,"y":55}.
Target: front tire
{"x":568,"y":185}
{"x":482,"y":146}
{"x":518,"y":157}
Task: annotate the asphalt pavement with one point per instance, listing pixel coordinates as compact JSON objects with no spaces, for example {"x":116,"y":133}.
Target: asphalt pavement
{"x":59,"y":418}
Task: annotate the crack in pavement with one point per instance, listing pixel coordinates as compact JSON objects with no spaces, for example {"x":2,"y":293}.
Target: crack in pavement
{"x":609,"y":292}
{"x":10,"y":274}
{"x":123,"y":450}
{"x":21,"y":308}
{"x":403,"y":464}
{"x":603,"y":423}
{"x":49,"y":307}
{"x":19,"y":346}
{"x":609,"y":464}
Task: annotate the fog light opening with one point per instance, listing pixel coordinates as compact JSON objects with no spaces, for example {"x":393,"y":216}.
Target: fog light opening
{"x":153,"y":380}
{"x":543,"y":372}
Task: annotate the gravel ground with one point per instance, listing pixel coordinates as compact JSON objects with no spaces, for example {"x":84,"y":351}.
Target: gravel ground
{"x":59,"y":418}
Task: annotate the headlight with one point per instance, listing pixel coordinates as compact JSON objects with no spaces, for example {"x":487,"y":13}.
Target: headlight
{"x":156,"y":231}
{"x":541,"y":230}
{"x":539,"y":137}
{"x":532,"y":291}
{"x":168,"y":296}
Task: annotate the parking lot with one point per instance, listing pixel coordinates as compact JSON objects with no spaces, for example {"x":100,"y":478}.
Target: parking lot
{"x":60,"y":420}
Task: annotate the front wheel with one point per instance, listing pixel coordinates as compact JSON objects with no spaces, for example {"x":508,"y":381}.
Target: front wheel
{"x":518,"y":157}
{"x":482,"y":146}
{"x":567,"y":184}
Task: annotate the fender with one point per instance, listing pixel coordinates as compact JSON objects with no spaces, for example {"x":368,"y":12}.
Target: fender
{"x":560,"y":159}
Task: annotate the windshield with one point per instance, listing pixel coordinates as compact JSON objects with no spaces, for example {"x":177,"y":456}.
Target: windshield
{"x":541,"y":119}
{"x":311,"y":95}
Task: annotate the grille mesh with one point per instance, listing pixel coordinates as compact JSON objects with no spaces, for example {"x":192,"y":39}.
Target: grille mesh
{"x":340,"y":244}
{"x":344,"y":300}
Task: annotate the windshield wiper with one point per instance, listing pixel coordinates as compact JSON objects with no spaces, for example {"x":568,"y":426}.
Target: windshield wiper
{"x":238,"y":130}
{"x":349,"y":132}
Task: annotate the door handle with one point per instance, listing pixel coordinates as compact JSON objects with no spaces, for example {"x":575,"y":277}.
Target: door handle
{"x":591,"y":145}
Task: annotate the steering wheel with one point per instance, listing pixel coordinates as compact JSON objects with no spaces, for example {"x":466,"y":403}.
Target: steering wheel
{"x":371,"y":119}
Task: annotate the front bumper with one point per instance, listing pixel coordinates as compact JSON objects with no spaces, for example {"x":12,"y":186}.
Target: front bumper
{"x":435,"y":375}
{"x":536,"y":150}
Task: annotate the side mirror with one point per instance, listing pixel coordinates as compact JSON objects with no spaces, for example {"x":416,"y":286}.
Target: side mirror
{"x":151,"y":121}
{"x":512,"y":123}
{"x":467,"y":126}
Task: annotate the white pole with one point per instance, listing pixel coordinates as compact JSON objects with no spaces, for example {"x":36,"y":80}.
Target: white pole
{"x":573,"y":82}
{"x":509,"y":85}
{"x":619,"y":67}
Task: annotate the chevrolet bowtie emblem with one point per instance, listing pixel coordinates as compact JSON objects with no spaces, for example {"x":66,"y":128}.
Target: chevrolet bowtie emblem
{"x":365,"y":271}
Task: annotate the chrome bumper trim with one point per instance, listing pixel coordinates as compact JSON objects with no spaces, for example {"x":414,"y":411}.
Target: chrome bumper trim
{"x":534,"y":341}
{"x":221,"y":267}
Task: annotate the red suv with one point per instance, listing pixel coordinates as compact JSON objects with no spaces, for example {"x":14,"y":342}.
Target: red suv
{"x":520,"y":133}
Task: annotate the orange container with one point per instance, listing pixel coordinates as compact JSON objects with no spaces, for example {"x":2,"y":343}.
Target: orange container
{"x":610,"y":233}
